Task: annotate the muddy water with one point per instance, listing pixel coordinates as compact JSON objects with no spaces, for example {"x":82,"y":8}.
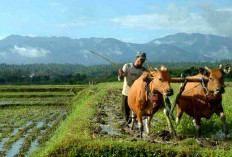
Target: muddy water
{"x":109,"y":123}
{"x":27,"y":126}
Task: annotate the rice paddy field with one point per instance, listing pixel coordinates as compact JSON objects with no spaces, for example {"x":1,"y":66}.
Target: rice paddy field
{"x":96,"y":127}
{"x":91,"y":123}
{"x":31,"y":115}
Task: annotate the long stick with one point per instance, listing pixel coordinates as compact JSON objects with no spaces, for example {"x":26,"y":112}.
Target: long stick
{"x":181,"y":80}
{"x":105,"y":59}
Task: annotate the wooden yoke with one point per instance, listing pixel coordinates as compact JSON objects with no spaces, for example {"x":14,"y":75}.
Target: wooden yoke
{"x":188,"y":79}
{"x":185,"y":81}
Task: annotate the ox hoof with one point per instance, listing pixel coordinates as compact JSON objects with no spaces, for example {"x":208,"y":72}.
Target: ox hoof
{"x":146,"y":134}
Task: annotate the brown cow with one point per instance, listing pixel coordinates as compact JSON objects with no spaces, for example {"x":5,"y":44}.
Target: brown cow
{"x":141,"y":106}
{"x":198,"y":102}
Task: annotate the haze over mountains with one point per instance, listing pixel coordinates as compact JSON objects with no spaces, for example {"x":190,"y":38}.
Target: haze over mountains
{"x":179,"y":47}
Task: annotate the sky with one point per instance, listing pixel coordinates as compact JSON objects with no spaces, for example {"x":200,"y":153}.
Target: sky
{"x":136,"y":21}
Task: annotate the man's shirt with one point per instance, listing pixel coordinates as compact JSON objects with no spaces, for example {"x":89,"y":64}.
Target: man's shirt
{"x":131,"y":73}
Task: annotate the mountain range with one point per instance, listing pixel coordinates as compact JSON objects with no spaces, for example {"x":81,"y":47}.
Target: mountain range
{"x":180,"y":47}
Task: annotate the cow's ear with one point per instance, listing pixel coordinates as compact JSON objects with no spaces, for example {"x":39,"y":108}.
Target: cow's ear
{"x":147,"y":78}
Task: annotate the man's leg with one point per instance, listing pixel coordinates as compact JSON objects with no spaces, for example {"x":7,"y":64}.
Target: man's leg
{"x":126,"y":109}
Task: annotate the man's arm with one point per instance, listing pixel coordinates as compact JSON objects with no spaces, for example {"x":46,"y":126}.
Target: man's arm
{"x":122,"y":73}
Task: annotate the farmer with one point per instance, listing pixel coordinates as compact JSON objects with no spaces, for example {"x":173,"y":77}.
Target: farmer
{"x":130,"y":72}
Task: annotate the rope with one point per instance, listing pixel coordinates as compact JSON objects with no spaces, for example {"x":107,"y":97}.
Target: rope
{"x":191,"y":89}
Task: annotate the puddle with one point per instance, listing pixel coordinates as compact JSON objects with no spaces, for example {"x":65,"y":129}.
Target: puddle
{"x":15,"y":131}
{"x":15,"y":148}
{"x":33,"y":147}
{"x":9,"y":102}
{"x":107,"y":109}
{"x":220,"y":135}
{"x":34,"y":122}
{"x":4,"y":140}
{"x":40,"y":124}
{"x":109,"y":129}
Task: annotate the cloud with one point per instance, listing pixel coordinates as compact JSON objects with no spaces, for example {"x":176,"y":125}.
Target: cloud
{"x":181,"y":19}
{"x":3,"y":54}
{"x":30,"y":52}
{"x":2,"y":37}
{"x":58,"y":6}
{"x":71,"y":25}
{"x":219,"y":19}
{"x":131,"y":40}
{"x":154,"y":8}
{"x":118,"y":52}
{"x":80,"y":21}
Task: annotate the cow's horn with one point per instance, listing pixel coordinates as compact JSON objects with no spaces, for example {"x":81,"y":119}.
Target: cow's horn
{"x":227,"y":69}
{"x":150,"y":68}
{"x":220,"y":66}
{"x":207,"y":68}
{"x":163,"y":67}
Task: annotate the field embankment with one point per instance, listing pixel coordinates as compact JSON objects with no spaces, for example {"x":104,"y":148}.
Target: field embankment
{"x":96,"y":127}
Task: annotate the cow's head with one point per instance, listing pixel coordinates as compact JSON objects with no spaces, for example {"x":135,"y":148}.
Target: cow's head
{"x":215,"y":84}
{"x":160,"y":81}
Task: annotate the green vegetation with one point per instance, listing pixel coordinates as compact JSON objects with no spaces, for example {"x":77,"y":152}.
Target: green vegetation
{"x":40,"y":88}
{"x":38,"y":95}
{"x":71,"y":74}
{"x":28,"y":124}
{"x":42,"y":125}
{"x":75,"y":138}
{"x":30,"y":115}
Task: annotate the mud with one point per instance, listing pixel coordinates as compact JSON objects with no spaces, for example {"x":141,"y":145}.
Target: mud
{"x":24,"y":129}
{"x":110,"y":123}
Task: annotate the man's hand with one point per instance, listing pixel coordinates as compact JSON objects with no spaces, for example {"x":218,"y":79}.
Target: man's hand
{"x":121,"y":72}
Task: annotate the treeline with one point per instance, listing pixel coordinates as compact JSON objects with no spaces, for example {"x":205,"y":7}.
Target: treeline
{"x":79,"y":74}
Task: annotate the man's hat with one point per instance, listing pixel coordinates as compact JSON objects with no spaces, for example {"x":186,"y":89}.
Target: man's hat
{"x":141,"y":55}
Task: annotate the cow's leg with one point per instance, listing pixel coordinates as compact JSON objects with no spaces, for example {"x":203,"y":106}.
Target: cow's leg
{"x":223,"y":119}
{"x":171,"y":129}
{"x":133,"y":120}
{"x":140,"y":123}
{"x":179,"y":114}
{"x":148,"y":122}
{"x":197,"y":125}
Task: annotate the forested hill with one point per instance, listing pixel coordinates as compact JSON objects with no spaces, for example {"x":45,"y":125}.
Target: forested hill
{"x":74,"y":73}
{"x":180,"y":47}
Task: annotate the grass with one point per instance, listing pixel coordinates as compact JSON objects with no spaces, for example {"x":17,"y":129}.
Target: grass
{"x":36,"y":95}
{"x":40,"y":88}
{"x":74,"y":137}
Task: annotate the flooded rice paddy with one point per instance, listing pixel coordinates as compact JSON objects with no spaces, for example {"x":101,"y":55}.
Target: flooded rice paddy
{"x":30,"y":115}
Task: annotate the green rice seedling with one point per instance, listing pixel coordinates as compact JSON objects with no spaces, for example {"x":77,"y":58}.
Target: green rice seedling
{"x":17,"y":136}
{"x":74,"y":138}
{"x":39,"y":88}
